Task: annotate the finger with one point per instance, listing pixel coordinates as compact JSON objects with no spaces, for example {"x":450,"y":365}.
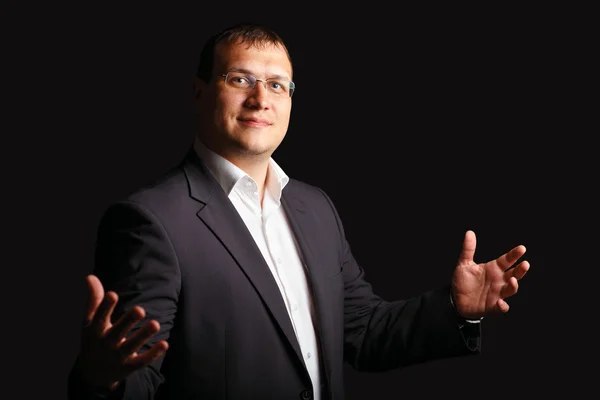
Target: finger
{"x":502,"y":306}
{"x":506,"y":260}
{"x":520,"y":270}
{"x":96,"y":293}
{"x":468,"y":248}
{"x":121,"y":328}
{"x":101,"y":321}
{"x":139,"y":338}
{"x":511,"y":288}
{"x":147,"y":357}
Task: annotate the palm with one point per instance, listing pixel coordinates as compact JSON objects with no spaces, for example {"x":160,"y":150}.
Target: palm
{"x":480,"y":288}
{"x":108,"y":353}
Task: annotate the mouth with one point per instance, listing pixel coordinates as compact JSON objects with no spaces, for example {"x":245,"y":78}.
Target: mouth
{"x":254,"y":122}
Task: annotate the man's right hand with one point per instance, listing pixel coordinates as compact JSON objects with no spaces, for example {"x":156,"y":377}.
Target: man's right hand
{"x":108,"y":355}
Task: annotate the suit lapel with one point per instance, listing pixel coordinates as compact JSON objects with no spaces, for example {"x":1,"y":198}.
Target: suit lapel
{"x":303,"y":228}
{"x":221,"y":217}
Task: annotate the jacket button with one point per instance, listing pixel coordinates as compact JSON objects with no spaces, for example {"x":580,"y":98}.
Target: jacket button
{"x":306,"y":395}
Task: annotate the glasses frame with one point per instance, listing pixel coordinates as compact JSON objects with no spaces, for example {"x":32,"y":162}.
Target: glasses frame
{"x":256,"y":80}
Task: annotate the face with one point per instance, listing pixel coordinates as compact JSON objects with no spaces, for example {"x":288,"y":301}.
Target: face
{"x":242,"y":124}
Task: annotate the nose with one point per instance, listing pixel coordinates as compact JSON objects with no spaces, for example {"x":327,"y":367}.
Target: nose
{"x":259,"y":95}
{"x":261,"y":85}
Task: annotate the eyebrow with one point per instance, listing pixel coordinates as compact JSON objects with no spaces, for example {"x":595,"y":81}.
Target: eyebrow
{"x":247,"y":71}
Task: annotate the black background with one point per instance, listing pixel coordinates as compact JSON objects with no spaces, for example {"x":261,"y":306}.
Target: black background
{"x":420,"y":124}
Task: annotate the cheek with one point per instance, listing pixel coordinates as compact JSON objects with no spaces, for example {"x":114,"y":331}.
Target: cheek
{"x":227,"y":105}
{"x":284,"y":114}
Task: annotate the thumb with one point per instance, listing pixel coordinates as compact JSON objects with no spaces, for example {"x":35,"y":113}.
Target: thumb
{"x":468,"y":248}
{"x":96,"y":294}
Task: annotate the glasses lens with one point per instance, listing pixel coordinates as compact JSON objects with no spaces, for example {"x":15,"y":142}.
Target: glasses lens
{"x":240,"y":80}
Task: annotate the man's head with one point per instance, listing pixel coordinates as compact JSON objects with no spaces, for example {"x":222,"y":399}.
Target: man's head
{"x":243,"y":92}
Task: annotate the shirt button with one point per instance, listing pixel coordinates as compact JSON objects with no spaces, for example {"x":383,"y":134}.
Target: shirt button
{"x":306,"y":395}
{"x":294,"y":307}
{"x":308,"y":355}
{"x":279,"y":260}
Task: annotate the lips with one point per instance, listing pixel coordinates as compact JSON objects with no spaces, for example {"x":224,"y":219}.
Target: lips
{"x":255,"y":121}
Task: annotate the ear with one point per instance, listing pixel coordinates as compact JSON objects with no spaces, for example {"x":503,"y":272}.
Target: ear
{"x":198,"y":86}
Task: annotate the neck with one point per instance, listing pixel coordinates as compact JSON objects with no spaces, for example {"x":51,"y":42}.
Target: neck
{"x":255,"y":165}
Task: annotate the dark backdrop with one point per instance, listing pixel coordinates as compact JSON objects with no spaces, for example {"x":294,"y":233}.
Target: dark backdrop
{"x":420,"y":124}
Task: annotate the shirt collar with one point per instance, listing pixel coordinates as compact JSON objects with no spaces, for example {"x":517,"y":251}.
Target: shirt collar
{"x":228,"y":174}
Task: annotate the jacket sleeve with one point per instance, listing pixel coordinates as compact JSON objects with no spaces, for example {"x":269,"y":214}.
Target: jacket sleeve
{"x":381,"y":335}
{"x":135,"y":258}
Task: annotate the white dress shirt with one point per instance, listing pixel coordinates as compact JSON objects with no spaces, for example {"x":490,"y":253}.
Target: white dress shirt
{"x":271,"y":232}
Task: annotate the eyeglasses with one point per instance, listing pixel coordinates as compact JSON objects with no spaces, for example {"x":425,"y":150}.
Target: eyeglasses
{"x":244,"y":81}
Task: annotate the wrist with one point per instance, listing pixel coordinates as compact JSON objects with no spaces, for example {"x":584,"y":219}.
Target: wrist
{"x":459,"y":316}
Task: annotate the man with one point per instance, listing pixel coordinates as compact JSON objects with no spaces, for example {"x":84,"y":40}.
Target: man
{"x":226,"y":279}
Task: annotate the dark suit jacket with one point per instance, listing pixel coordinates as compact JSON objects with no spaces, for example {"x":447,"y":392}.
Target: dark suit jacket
{"x":179,"y":249}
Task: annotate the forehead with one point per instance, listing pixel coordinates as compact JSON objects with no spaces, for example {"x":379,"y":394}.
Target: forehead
{"x":259,"y":58}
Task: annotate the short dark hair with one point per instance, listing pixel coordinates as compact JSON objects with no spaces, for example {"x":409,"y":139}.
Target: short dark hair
{"x":245,"y":32}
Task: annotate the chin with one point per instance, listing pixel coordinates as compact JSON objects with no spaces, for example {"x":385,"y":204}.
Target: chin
{"x":254,"y":147}
{"x":251,"y":151}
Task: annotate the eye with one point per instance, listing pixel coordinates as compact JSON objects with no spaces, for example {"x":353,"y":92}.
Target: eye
{"x":277,"y":86}
{"x":239,"y":79}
